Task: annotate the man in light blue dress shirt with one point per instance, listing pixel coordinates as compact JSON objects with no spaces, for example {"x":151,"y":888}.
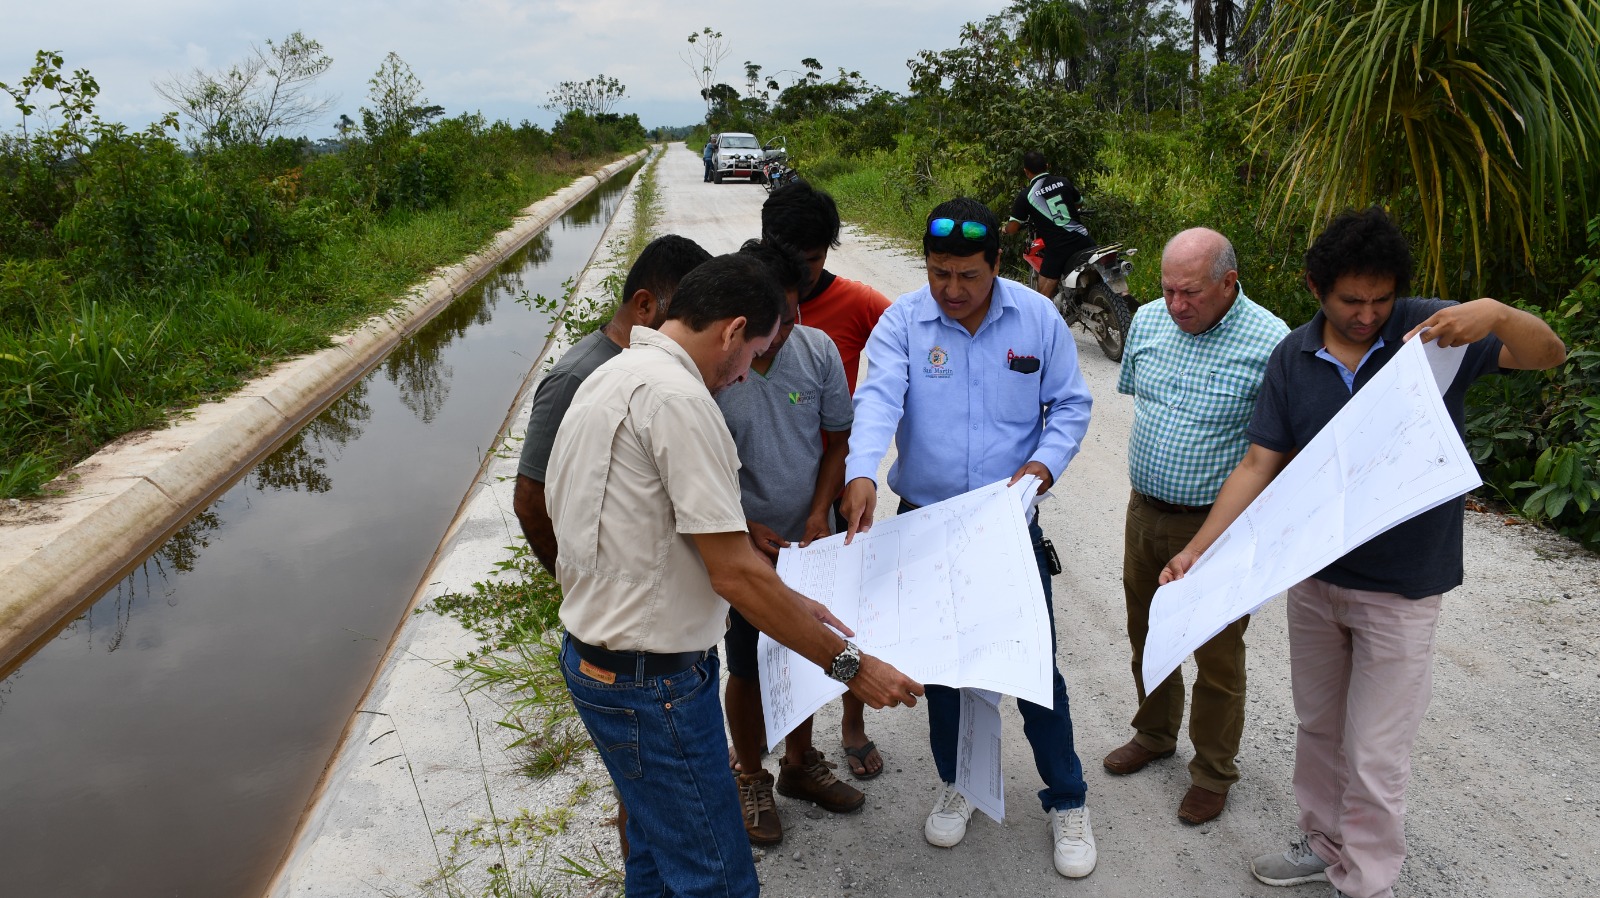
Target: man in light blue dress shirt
{"x":976,"y":379}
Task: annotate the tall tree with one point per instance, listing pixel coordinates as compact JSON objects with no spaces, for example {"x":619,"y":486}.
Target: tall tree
{"x":705,"y":53}
{"x":270,"y":93}
{"x":1053,"y":34}
{"x":1215,"y":22}
{"x":592,"y":96}
{"x":398,"y":106}
{"x":1486,"y":106}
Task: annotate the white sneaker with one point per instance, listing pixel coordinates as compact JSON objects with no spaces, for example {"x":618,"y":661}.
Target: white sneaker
{"x":947,"y":824}
{"x":1074,"y":841}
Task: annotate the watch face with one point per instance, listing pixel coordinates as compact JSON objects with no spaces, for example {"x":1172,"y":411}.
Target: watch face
{"x":846,"y":664}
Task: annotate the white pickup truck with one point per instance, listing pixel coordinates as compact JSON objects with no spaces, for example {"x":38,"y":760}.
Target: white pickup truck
{"x":737,"y":155}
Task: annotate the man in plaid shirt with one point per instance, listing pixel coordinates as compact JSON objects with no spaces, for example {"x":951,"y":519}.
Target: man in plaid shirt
{"x":1193,"y":365}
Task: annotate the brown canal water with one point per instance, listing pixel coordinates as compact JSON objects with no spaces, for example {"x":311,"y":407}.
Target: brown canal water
{"x":167,"y":741}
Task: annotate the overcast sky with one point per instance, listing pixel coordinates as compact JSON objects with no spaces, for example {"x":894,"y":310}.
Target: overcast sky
{"x":499,"y":57}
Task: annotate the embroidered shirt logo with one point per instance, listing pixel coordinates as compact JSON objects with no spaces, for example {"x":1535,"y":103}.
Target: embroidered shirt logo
{"x":794,"y":398}
{"x":937,"y":357}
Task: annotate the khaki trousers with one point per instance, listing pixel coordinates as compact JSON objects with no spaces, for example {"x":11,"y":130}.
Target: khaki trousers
{"x":1216,"y":715}
{"x":1362,"y":674}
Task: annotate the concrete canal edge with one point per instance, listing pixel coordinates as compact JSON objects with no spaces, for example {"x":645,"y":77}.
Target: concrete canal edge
{"x":57,"y":554}
{"x":420,"y":751}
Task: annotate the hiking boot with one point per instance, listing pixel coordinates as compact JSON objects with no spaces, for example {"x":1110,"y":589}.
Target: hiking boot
{"x":947,"y":823}
{"x":761,"y":823}
{"x":1075,"y":852}
{"x":813,"y":780}
{"x":1291,"y":868}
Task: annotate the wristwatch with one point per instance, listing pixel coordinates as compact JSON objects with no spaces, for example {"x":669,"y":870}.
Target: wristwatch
{"x":846,"y":664}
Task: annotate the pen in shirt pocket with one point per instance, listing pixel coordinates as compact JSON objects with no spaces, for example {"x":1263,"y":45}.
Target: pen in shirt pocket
{"x":1023,"y":364}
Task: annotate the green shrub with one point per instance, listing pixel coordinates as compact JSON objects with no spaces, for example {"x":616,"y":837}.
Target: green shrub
{"x":35,"y":192}
{"x":1536,"y":434}
{"x":30,"y":291}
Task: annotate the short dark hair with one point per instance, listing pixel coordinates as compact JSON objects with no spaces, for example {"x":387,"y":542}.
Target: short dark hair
{"x":1034,"y":161}
{"x":783,"y":260}
{"x":963,"y":208}
{"x":1364,"y":242}
{"x":729,"y":286}
{"x":802,"y":216}
{"x":661,"y":265}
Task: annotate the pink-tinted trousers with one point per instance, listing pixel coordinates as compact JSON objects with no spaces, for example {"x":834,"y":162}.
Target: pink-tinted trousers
{"x":1362,"y":666}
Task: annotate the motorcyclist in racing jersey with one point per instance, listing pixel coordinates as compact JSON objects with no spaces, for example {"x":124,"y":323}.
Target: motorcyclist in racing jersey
{"x":1050,"y":203}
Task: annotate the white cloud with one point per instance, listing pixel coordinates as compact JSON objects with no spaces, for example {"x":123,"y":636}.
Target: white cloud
{"x":500,"y":57}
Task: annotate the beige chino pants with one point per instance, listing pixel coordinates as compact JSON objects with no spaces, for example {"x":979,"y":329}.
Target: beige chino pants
{"x":1362,"y":666}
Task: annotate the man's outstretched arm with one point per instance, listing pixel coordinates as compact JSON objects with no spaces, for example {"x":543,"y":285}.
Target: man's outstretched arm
{"x":751,"y":585}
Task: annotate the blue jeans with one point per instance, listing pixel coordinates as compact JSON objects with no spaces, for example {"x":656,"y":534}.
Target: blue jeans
{"x":1049,"y":730}
{"x":663,"y":743}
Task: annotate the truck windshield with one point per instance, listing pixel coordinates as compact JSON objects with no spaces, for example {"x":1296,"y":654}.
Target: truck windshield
{"x":739,"y":142}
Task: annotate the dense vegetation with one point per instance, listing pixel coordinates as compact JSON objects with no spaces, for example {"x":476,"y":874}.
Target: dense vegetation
{"x":139,"y":275}
{"x":1484,"y":142}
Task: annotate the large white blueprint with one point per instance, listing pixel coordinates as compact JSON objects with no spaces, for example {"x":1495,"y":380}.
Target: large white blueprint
{"x":1389,"y":455}
{"x":948,"y":593}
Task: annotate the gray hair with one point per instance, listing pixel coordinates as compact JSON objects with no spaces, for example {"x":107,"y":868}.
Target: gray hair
{"x":1226,"y":260}
{"x":1223,"y":259}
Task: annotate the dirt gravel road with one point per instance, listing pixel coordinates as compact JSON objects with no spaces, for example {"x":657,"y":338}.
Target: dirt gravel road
{"x":1505,"y":794}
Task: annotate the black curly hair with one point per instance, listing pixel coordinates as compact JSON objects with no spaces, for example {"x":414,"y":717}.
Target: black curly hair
{"x":801,"y":216}
{"x":783,"y":260}
{"x":1359,"y":242}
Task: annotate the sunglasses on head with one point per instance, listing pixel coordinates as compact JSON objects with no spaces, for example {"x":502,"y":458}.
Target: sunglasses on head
{"x":944,"y":227}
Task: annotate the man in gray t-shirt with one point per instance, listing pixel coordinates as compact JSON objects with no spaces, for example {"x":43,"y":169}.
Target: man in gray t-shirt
{"x":554,"y":395}
{"x":649,"y":288}
{"x":775,"y":418}
{"x":790,"y":419}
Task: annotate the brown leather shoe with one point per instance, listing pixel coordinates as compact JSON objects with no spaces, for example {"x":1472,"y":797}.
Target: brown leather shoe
{"x":761,"y":821}
{"x":1133,"y":757}
{"x":813,"y":780}
{"x":1200,"y":805}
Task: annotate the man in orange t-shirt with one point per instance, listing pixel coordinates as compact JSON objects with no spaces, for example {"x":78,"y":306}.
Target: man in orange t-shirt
{"x":807,"y":219}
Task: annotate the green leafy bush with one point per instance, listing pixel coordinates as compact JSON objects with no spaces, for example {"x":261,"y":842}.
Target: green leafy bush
{"x":1536,"y":434}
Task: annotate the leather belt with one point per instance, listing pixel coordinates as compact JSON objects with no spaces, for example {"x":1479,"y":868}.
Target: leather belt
{"x":1170,"y":508}
{"x":656,"y":664}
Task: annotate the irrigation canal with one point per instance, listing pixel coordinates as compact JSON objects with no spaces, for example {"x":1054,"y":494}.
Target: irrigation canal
{"x":166,"y":742}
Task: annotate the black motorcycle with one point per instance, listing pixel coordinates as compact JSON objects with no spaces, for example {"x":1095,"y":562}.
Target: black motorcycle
{"x":775,"y":168}
{"x":1094,"y":293}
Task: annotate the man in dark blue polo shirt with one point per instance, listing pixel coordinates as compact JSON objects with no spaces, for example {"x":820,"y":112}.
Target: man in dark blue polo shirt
{"x":1361,"y":630}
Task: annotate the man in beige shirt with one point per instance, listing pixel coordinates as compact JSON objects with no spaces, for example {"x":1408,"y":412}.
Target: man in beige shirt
{"x":643,"y":488}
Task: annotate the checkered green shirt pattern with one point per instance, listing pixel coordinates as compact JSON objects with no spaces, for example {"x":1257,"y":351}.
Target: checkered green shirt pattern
{"x":1192,"y":397}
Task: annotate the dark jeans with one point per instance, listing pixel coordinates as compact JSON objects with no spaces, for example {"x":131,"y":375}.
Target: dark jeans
{"x":1049,"y":730}
{"x":662,"y":741}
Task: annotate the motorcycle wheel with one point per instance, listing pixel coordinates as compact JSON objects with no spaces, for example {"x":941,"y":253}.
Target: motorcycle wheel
{"x":1107,"y":316}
